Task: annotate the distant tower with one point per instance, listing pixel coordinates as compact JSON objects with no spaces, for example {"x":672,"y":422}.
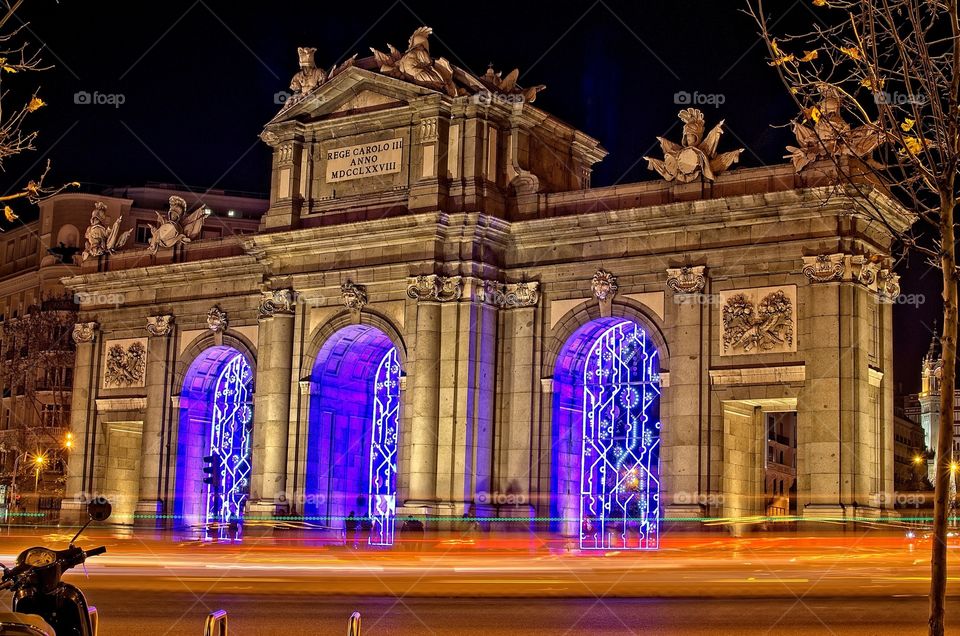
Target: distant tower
{"x":930,"y":397}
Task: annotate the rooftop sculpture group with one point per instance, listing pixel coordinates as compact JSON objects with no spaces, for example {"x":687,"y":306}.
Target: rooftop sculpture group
{"x":830,"y":135}
{"x":100,"y":239}
{"x":695,"y":156}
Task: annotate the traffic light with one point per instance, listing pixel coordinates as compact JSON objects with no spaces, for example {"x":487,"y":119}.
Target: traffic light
{"x":211,"y":468}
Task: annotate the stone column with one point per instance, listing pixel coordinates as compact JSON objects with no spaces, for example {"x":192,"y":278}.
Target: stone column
{"x":272,"y":401}
{"x":683,"y":417}
{"x":156,"y":416}
{"x":429,"y":291}
{"x":824,"y":427}
{"x":520,"y":300}
{"x":82,"y":424}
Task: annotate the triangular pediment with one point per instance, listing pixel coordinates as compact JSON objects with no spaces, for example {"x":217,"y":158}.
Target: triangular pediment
{"x":354,"y":90}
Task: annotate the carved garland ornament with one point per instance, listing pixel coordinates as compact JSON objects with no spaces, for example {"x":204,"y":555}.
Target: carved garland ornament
{"x":84,"y":332}
{"x":126,"y":366}
{"x":159,"y":325}
{"x":768,"y":326}
{"x":434,"y":287}
{"x":354,"y":296}
{"x":216,"y":319}
{"x":688,"y":279}
{"x":823,"y":268}
{"x":277,"y":301}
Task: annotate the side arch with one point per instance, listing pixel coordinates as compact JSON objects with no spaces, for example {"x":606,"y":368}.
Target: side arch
{"x":206,"y":341}
{"x":215,"y":418}
{"x":587,"y":312}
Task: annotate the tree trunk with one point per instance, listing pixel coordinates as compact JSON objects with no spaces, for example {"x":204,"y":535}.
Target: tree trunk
{"x":944,"y":448}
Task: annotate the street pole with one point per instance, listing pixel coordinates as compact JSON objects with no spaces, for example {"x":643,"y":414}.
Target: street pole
{"x":13,"y":480}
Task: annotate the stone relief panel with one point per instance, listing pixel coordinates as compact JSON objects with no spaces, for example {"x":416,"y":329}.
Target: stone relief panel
{"x":126,"y":363}
{"x":758,"y":320}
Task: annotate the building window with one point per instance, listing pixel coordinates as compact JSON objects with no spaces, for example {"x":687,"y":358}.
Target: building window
{"x":143,"y":232}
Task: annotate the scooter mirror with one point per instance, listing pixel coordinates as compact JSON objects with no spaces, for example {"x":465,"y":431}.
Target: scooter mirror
{"x":99,"y":510}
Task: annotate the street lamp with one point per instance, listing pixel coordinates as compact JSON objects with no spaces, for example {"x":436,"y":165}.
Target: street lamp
{"x":68,"y":441}
{"x":38,"y":463}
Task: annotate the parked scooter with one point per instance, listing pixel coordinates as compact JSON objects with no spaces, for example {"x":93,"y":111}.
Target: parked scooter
{"x":43,"y":605}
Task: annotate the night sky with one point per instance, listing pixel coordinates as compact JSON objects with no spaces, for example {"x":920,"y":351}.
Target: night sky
{"x":198,"y":79}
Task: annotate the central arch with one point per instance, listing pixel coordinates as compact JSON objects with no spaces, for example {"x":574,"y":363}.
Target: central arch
{"x":606,"y":437}
{"x":354,"y":424}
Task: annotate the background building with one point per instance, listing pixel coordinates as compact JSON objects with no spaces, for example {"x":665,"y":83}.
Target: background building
{"x":37,"y":315}
{"x":909,"y":454}
{"x":924,"y":407}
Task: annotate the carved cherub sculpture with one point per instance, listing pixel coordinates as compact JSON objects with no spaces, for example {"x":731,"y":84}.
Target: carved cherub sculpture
{"x":830,"y":135}
{"x":696,"y":156}
{"x":309,"y":76}
{"x":170,"y":232}
{"x":101,"y":239}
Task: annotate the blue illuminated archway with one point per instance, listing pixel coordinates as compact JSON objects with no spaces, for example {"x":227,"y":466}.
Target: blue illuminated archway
{"x":354,"y":426}
{"x":216,"y":418}
{"x":606,"y":437}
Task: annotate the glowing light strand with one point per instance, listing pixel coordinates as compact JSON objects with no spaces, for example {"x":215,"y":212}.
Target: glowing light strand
{"x":620,"y":475}
{"x":382,"y":493}
{"x":231,"y":432}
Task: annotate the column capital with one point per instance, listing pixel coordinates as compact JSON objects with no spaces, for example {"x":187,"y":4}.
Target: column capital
{"x":85,"y":332}
{"x":435,"y":287}
{"x":687,"y":279}
{"x":824,"y":268}
{"x":507,"y":295}
{"x":160,"y":325}
{"x":277,"y":302}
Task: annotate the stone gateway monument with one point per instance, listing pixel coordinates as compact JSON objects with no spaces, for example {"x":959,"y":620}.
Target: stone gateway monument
{"x":440,"y":316}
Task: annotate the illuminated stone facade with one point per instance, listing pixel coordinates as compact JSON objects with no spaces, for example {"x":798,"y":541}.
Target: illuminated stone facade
{"x":475,"y":252}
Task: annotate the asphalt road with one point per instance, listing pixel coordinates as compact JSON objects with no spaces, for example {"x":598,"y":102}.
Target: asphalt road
{"x":124,"y":613}
{"x":838,"y":584}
